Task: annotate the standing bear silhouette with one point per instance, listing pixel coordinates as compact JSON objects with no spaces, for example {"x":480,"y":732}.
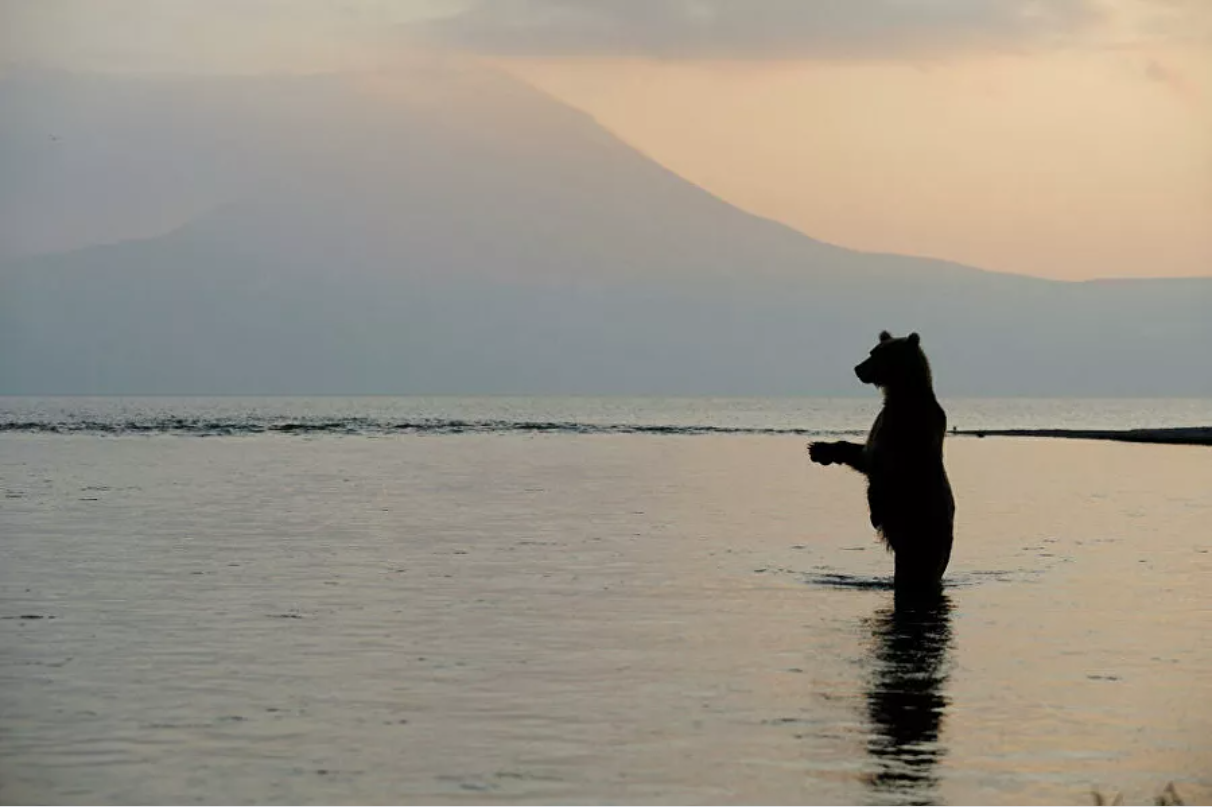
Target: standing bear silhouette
{"x":907,"y":487}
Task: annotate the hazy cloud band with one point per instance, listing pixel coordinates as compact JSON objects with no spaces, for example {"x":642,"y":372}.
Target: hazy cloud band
{"x":754,"y":29}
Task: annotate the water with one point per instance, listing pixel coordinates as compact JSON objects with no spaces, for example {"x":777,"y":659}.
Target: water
{"x":379,"y":416}
{"x":584,"y":614}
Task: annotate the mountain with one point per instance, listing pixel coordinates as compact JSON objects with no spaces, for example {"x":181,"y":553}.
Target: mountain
{"x":450,"y":230}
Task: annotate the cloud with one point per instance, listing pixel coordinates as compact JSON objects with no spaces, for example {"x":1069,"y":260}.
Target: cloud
{"x":755,"y":29}
{"x":224,"y":36}
{"x":1182,"y":21}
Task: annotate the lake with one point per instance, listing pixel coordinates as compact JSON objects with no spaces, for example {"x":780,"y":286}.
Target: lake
{"x":589,"y":601}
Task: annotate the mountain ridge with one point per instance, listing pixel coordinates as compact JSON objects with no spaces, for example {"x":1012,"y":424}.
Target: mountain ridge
{"x":471,"y":240}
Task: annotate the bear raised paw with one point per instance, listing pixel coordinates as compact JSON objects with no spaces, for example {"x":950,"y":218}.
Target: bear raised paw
{"x":907,"y":488}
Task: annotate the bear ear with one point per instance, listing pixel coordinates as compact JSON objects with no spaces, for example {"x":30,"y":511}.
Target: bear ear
{"x":885,"y":336}
{"x":914,"y":339}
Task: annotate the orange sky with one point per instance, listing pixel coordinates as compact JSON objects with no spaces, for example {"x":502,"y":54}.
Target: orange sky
{"x":1075,"y":145}
{"x":1069,"y":165}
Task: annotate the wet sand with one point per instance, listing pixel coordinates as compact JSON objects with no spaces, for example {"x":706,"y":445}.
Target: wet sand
{"x":592,"y":619}
{"x":1197,"y":435}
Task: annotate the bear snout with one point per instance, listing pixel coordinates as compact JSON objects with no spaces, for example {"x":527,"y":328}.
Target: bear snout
{"x":861,"y":371}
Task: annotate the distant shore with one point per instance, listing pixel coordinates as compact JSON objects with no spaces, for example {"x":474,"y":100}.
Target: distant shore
{"x":1194,"y":435}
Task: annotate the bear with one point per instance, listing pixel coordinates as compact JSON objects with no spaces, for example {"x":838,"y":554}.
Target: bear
{"x":908,"y":492}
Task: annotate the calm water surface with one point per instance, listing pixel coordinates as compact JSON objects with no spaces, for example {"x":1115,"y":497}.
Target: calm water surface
{"x":477,"y":614}
{"x":691,"y":416}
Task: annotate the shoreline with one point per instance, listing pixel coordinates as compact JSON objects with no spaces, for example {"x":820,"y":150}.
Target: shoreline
{"x":1189,"y":435}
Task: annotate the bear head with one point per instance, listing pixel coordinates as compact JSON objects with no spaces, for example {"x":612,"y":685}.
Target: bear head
{"x":896,"y":363}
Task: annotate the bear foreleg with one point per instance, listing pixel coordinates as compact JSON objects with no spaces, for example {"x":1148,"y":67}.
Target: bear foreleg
{"x":839,"y":452}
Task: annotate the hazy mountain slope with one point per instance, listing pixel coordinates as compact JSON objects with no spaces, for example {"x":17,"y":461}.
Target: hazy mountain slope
{"x":458,"y":232}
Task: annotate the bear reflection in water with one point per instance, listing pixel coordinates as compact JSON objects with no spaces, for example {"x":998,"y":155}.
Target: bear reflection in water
{"x":906,"y":701}
{"x":908,"y":492}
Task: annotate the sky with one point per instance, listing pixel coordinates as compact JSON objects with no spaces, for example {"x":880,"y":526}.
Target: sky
{"x":1068,"y":139}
